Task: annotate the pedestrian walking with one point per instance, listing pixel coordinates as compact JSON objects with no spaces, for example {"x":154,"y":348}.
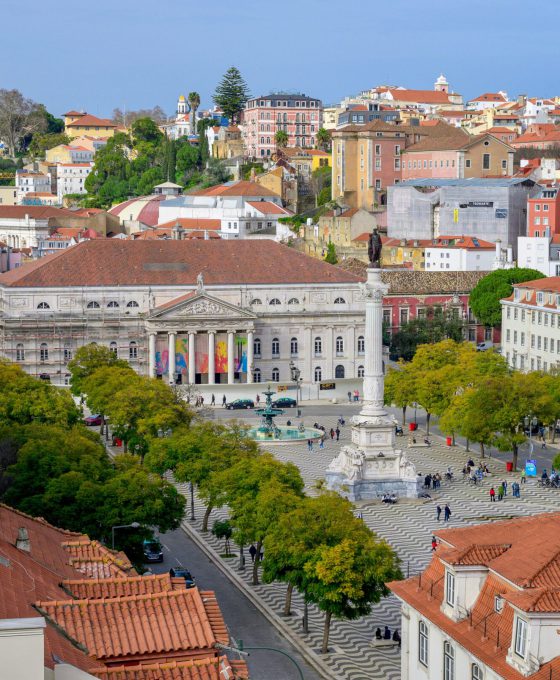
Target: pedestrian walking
{"x":543,"y":445}
{"x":492,"y":495}
{"x":309,"y":445}
{"x":500,"y":492}
{"x":350,"y":396}
{"x":434,"y":543}
{"x":427,"y":481}
{"x":252,"y":552}
{"x":523,"y":476}
{"x":446,"y":513}
{"x":224,"y":401}
{"x":258,"y":399}
{"x":213,"y":400}
{"x":515,"y":490}
{"x":337,"y":433}
{"x":438,"y":512}
{"x":322,"y":442}
{"x":332,"y":433}
{"x":504,"y":484}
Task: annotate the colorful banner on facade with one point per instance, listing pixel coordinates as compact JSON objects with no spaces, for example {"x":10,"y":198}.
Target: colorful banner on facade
{"x":201,"y":354}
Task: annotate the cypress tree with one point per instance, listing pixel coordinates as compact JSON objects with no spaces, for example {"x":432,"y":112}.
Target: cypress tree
{"x":231,"y":94}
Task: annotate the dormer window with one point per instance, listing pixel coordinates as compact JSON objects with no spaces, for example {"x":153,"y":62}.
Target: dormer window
{"x":521,"y":637}
{"x":516,"y":294}
{"x":540,"y":298}
{"x":498,"y":604}
{"x":450,"y":588}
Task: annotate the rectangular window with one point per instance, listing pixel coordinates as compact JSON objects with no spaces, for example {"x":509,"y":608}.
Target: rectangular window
{"x":450,"y":588}
{"x":521,"y":637}
{"x":545,"y":207}
{"x":507,"y":335}
{"x":403,"y":316}
{"x":378,"y":149}
{"x":468,"y":163}
{"x":522,"y":339}
{"x":387,"y":317}
{"x":486,"y":161}
{"x":448,"y":662}
{"x":423,"y":643}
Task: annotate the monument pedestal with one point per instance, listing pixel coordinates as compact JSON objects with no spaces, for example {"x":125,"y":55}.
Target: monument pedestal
{"x":371,"y":465}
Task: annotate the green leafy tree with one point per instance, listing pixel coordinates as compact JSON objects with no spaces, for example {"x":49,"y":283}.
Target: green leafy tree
{"x":87,"y":359}
{"x":485,"y":297}
{"x":331,"y":257}
{"x":146,"y":130}
{"x":231,"y":94}
{"x":223,"y":529}
{"x":281,"y":139}
{"x":407,"y":339}
{"x":400,"y":388}
{"x":48,"y":140}
{"x":323,"y":139}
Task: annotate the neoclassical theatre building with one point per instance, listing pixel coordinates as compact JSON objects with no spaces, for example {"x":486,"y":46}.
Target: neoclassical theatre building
{"x":187,"y":311}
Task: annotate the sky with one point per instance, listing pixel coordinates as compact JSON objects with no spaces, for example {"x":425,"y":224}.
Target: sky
{"x":139,"y":53}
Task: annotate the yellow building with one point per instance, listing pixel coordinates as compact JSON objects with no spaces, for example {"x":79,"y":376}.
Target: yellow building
{"x":77,"y":124}
{"x":229,"y":143}
{"x":305,"y":161}
{"x":343,"y":228}
{"x":406,"y":253}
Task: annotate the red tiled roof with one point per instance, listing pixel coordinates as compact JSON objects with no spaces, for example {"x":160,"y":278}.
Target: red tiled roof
{"x":543,"y":600}
{"x":157,"y":623}
{"x":191,"y":223}
{"x":350,"y":212}
{"x":96,"y":589}
{"x":197,"y":669}
{"x":144,"y":209}
{"x":87,"y":120}
{"x":100,"y":263}
{"x":420,"y":96}
{"x":95,"y":560}
{"x":465,"y":242}
{"x":490,"y":97}
{"x":269,"y":208}
{"x":74,"y":113}
{"x":35,"y":212}
{"x":238,"y":188}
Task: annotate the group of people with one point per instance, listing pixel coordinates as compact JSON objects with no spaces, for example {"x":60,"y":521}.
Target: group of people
{"x":502,"y":491}
{"x":390,"y":498}
{"x":432,"y":481}
{"x":386,"y":635}
{"x":475,"y":474}
{"x":446,"y":513}
{"x":355,"y":396}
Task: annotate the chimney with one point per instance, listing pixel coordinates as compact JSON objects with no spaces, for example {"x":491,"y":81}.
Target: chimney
{"x":22,"y":541}
{"x":177,"y":232}
{"x":498,"y":249}
{"x":509,"y":254}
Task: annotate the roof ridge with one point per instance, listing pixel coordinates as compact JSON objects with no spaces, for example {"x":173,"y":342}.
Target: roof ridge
{"x":164,"y":594}
{"x":39,"y":520}
{"x":535,"y":575}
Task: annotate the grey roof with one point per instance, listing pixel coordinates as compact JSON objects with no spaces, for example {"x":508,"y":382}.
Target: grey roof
{"x":467,"y":182}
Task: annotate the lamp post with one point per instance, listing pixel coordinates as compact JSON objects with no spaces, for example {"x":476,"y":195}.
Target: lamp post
{"x":296,"y":373}
{"x":530,"y":422}
{"x":134,"y":525}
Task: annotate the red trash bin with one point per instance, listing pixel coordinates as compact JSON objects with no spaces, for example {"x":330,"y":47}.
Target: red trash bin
{"x":412,"y":426}
{"x":449,"y":441}
{"x":509,"y":466}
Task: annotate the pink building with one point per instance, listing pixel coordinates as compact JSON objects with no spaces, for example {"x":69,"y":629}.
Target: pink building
{"x":299,"y":116}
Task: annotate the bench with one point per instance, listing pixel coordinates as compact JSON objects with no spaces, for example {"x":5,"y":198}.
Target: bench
{"x":383,"y":643}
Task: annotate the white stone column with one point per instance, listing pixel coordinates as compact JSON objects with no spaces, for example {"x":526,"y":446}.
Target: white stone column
{"x":230,"y":357}
{"x":211,"y":358}
{"x":309,"y":350}
{"x":151,"y":355}
{"x":250,"y":358}
{"x":192,"y":358}
{"x":374,"y":381}
{"x":171,"y":360}
{"x":328,"y":374}
{"x":351,"y":351}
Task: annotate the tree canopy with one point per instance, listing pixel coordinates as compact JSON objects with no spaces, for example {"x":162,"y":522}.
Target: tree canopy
{"x":231,"y":94}
{"x":485,"y":297}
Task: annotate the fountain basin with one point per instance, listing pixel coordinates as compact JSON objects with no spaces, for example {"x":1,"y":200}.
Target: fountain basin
{"x":284,"y":434}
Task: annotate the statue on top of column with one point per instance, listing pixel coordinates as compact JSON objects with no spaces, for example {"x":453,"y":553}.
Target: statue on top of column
{"x":374,"y":249}
{"x":200,"y":283}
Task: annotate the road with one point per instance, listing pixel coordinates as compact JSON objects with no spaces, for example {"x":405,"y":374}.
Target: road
{"x":243,"y":620}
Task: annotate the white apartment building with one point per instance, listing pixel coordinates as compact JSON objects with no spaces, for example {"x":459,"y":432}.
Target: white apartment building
{"x":531,"y":325}
{"x":541,"y":253}
{"x":31,"y":182}
{"x":487,"y":607}
{"x":71,"y":177}
{"x":463,"y":254}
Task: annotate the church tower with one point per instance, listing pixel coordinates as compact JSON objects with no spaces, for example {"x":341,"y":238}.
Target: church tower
{"x":182,"y":105}
{"x":441,"y":84}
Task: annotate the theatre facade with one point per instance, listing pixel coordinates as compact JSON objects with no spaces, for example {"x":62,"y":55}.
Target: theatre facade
{"x":188,"y":312}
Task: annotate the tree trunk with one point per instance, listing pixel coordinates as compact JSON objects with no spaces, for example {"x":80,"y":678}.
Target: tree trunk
{"x":428,"y":415}
{"x":482,"y":449}
{"x":241,"y":565}
{"x":207,"y":512}
{"x":515,"y":452}
{"x":192,"y":517}
{"x":288,"y":601}
{"x":305,"y":617}
{"x":467,"y":446}
{"x":404,"y":415}
{"x":326,"y":631}
{"x":256,"y":564}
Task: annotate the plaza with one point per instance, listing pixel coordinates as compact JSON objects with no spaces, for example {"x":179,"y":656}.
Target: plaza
{"x":407,"y":526}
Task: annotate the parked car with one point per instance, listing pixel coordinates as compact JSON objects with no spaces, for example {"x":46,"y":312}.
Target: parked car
{"x":483,"y":346}
{"x":240,"y":403}
{"x":153,"y":552}
{"x":284,"y":402}
{"x":95,"y":419}
{"x":181,"y":572}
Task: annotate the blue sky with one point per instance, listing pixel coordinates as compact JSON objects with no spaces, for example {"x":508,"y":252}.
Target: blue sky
{"x":113,"y":53}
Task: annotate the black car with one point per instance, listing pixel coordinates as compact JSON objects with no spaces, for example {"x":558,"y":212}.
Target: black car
{"x":153,"y":552}
{"x":181,"y":572}
{"x":240,"y":403}
{"x":284,"y":402}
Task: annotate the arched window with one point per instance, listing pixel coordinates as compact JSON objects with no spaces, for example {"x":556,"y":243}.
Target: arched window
{"x":113,"y":304}
{"x":361,"y":344}
{"x":257,"y":347}
{"x":293,"y":347}
{"x":293,"y":301}
{"x":318,"y":374}
{"x":448,"y":662}
{"x":67,"y":351}
{"x":476,"y":672}
{"x":132,"y":303}
{"x":44,"y":351}
{"x":274,"y":301}
{"x":256,"y":301}
{"x":132,"y":350}
{"x":113,"y":348}
{"x":20,"y":352}
{"x":339,"y":346}
{"x":339,"y":372}
{"x":257,"y":375}
{"x":43,"y":305}
{"x":318,"y":346}
{"x":275,"y":347}
{"x":340,"y":301}
{"x":361,"y":371}
{"x":93,"y":305}
{"x":275,"y":375}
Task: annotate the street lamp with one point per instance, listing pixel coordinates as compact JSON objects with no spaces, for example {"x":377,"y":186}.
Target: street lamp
{"x":530,"y":423}
{"x":134,"y":525}
{"x":296,"y":373}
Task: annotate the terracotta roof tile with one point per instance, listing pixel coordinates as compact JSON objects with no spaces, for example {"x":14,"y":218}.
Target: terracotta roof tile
{"x":197,"y":669}
{"x":191,"y":223}
{"x":35,"y":212}
{"x":99,"y":263}
{"x":158,"y":623}
{"x":543,"y":600}
{"x":95,"y":589}
{"x":95,"y":560}
{"x":269,"y":208}
{"x":88,"y":120}
{"x":238,"y":188}
{"x":420,"y":96}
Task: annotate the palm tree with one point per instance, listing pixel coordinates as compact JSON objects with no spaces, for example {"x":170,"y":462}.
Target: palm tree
{"x":281,"y":139}
{"x":194,"y":103}
{"x":323,"y":139}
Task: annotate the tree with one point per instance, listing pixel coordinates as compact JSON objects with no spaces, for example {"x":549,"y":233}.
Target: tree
{"x":89,"y":358}
{"x":194,"y":103}
{"x":485,"y":297}
{"x":323,"y":139}
{"x":146,"y":130}
{"x":400,"y":388}
{"x":410,"y":335}
{"x":231,"y":94}
{"x":223,"y":529}
{"x":157,"y":114}
{"x":19,"y":117}
{"x":281,"y":139}
{"x":43,"y":142}
{"x":331,"y":257}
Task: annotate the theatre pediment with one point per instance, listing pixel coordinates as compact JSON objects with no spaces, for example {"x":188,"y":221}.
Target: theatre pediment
{"x":199,"y":306}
